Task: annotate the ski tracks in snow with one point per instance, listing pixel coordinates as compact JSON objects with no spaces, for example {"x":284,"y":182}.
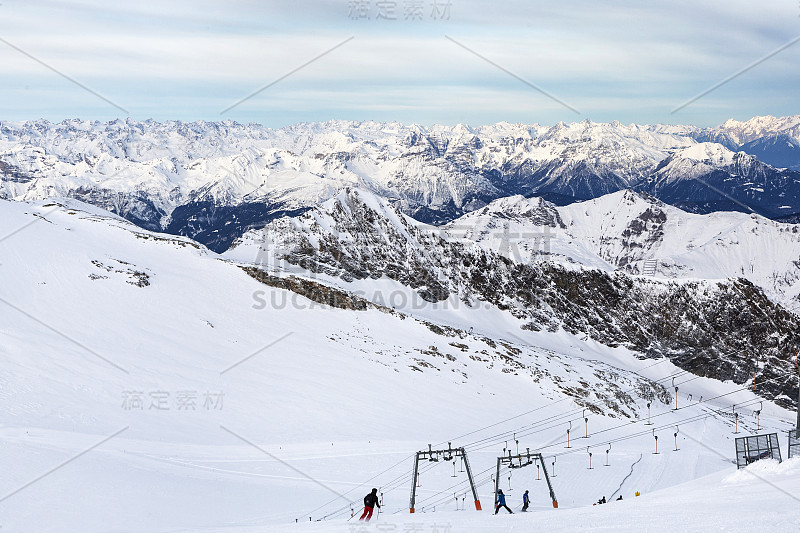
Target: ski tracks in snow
{"x":619,"y":489}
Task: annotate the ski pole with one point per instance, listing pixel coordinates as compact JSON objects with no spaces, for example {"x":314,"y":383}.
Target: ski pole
{"x":361,"y":511}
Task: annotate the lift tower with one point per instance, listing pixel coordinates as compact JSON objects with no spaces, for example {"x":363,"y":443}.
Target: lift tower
{"x":530,"y":458}
{"x":434,"y":456}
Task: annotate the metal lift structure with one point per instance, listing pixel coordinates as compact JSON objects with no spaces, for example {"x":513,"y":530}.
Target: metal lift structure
{"x":447,"y":455}
{"x":529,"y":459}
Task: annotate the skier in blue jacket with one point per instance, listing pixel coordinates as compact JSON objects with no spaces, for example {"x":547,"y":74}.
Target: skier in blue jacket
{"x":526,"y":501}
{"x":501,"y":502}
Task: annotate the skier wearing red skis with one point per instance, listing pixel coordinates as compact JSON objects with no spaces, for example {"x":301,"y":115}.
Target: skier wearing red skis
{"x":370,"y":501}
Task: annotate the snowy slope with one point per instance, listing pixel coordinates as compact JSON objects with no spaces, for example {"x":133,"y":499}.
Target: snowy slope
{"x":761,"y":498}
{"x":98,"y":314}
{"x":696,"y":161}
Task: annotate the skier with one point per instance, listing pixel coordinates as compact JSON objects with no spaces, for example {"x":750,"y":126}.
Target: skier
{"x":620,"y":497}
{"x":370,"y":501}
{"x":526,"y":501}
{"x":501,"y":502}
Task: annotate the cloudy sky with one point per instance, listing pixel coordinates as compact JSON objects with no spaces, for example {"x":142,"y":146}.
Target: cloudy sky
{"x":422,"y":61}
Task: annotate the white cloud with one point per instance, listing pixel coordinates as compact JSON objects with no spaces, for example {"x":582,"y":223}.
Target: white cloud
{"x":158,"y":56}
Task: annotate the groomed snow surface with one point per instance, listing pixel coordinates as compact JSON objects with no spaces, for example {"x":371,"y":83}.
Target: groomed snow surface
{"x":762,"y":497}
{"x":145,"y":388}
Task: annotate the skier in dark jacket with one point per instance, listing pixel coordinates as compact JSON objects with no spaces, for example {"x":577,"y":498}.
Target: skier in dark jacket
{"x":501,"y":502}
{"x":370,"y":501}
{"x":526,"y":501}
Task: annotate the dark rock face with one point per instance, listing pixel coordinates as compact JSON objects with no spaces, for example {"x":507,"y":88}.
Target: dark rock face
{"x":12,"y":174}
{"x":713,"y":329}
{"x":137,"y":207}
{"x":217,"y":226}
{"x":780,"y":151}
{"x":316,"y":292}
{"x":561,"y":179}
{"x":718,"y":330}
{"x":646,"y":229}
{"x":748,"y":185}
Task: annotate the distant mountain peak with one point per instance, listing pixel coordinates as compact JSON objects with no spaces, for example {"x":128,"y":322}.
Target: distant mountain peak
{"x":707,"y":152}
{"x":703,"y":158}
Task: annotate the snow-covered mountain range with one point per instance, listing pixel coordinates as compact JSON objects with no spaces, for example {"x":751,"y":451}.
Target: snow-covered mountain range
{"x":725,"y":328}
{"x":635,"y":233}
{"x":214,"y":181}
